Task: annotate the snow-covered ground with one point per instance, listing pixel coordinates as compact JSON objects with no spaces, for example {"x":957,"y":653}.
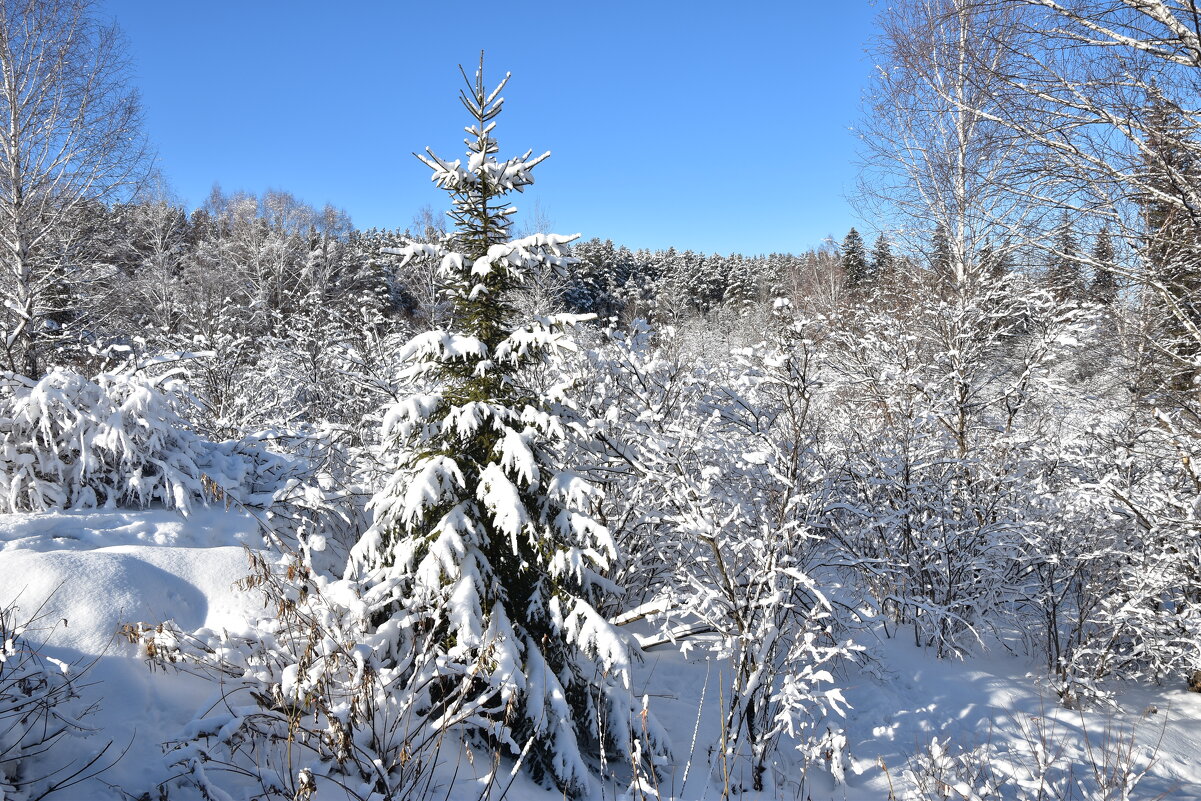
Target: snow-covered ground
{"x":91,"y":572}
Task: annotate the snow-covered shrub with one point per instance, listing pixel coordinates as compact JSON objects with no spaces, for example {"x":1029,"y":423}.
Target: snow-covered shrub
{"x":117,"y":440}
{"x":42,"y":728}
{"x":640,"y":390}
{"x":945,"y":411}
{"x":754,"y":560}
{"x":320,"y":364}
{"x":938,"y":774}
{"x":1043,"y":761}
{"x":122,"y":440}
{"x":725,"y":486}
{"x":1138,"y":616}
{"x":316,"y":486}
{"x":314,"y":695}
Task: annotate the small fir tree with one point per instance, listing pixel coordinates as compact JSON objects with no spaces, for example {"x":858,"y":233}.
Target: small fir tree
{"x":855,"y":266}
{"x":995,"y":263}
{"x":482,"y":534}
{"x":1104,"y":289}
{"x":1064,"y":275}
{"x":883,"y":262}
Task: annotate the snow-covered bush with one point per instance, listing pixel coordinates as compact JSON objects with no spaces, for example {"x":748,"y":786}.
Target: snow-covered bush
{"x":42,"y":728}
{"x":120,"y":440}
{"x":724,"y":496}
{"x":1137,"y":610}
{"x":945,"y":412}
{"x":67,"y":441}
{"x":640,"y":390}
{"x":319,"y":364}
{"x":315,"y":486}
{"x":1044,"y":760}
{"x":314,"y":695}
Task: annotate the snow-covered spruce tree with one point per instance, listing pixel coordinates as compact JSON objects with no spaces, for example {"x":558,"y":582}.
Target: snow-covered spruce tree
{"x":482,"y":534}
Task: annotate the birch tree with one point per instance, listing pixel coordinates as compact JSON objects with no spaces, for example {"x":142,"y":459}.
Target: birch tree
{"x":935,"y":160}
{"x":70,"y":134}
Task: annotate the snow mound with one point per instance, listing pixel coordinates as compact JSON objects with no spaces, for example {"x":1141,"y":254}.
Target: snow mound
{"x":92,"y":593}
{"x":87,"y":574}
{"x":87,"y":530}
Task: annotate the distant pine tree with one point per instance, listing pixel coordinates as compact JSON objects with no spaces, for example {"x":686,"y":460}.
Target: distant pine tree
{"x":855,"y":266}
{"x":740,"y":280}
{"x":883,"y":262}
{"x":995,"y":263}
{"x":1104,"y":289}
{"x":941,"y":262}
{"x":1064,"y":275}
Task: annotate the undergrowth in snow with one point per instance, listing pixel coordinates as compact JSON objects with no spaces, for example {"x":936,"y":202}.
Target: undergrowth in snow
{"x":994,"y":719}
{"x":44,"y":713}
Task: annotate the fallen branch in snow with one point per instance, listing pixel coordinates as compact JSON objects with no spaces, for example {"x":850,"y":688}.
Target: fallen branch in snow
{"x":672,"y":636}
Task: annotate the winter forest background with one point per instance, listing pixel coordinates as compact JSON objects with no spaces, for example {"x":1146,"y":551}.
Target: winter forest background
{"x":470,"y":509}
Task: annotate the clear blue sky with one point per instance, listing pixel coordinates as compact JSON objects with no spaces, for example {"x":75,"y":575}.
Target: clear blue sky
{"x":711,"y":126}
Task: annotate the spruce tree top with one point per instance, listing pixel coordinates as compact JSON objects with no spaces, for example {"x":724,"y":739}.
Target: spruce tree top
{"x":481,"y":266}
{"x":854,"y":261}
{"x":479,"y":222}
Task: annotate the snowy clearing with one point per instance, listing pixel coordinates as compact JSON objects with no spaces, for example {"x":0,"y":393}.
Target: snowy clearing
{"x":95,"y":571}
